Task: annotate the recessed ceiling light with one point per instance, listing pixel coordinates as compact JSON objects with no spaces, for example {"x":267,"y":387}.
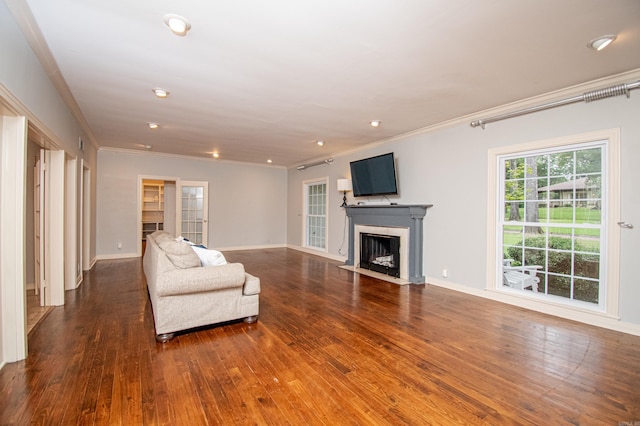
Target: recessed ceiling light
{"x":160,"y":92}
{"x":148,"y":146}
{"x":215,"y":155}
{"x":179,"y":25}
{"x":269,"y":161}
{"x":375,"y":123}
{"x":601,"y":42}
{"x":153,"y":125}
{"x":320,"y":143}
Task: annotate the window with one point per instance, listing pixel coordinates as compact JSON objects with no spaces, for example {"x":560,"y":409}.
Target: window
{"x":554,"y":205}
{"x":315,"y":194}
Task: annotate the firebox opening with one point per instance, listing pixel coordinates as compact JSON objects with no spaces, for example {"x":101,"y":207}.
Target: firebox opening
{"x":380,"y":253}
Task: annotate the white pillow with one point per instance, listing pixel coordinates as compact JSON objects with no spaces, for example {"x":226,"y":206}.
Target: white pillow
{"x":209,"y":257}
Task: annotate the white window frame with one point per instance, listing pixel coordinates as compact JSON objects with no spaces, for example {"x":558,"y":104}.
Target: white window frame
{"x":305,"y":208}
{"x":610,"y":230}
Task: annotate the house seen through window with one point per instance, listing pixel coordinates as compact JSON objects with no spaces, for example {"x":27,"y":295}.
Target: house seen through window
{"x":551,"y":222}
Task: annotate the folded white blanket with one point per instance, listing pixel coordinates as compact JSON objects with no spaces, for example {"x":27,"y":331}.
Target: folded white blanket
{"x":207,"y":257}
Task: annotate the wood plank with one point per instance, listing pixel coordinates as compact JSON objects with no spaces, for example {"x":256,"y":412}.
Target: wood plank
{"x":330,"y":347}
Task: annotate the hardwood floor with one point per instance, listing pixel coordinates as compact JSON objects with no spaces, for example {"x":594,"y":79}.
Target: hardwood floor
{"x":35,"y":312}
{"x":330,"y":348}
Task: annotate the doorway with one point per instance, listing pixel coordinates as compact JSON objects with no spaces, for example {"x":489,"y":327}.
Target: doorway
{"x":173,"y":205}
{"x":156,"y":207}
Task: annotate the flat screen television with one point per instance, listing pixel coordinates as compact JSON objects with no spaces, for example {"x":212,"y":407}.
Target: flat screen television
{"x":374,"y":176}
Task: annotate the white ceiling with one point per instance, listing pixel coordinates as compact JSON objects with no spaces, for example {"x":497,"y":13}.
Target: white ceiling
{"x":257,"y":80}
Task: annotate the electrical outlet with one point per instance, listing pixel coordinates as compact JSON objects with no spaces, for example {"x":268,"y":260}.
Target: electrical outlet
{"x":119,"y":246}
{"x":445,"y":273}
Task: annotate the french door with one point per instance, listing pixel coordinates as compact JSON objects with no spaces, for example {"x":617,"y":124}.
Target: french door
{"x":315,"y":210}
{"x":192,"y":209}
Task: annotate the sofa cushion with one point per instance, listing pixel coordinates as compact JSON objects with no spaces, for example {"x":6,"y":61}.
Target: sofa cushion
{"x":201,"y":280}
{"x":209,"y":257}
{"x":251,"y":285}
{"x":180,"y":254}
{"x":160,"y":236}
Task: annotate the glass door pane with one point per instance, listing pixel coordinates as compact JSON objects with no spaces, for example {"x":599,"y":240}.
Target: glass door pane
{"x":192,"y":214}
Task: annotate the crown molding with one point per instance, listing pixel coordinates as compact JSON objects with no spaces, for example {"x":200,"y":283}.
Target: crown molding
{"x":188,"y":157}
{"x":577,"y":89}
{"x":27,"y":23}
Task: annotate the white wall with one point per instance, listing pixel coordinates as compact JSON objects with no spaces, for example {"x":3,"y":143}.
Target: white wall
{"x":26,"y":87}
{"x":247,"y":203}
{"x":26,"y":90}
{"x":448,"y":168}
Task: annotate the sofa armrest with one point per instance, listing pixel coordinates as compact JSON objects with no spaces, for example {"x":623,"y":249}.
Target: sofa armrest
{"x":251,"y":285}
{"x":200,"y":279}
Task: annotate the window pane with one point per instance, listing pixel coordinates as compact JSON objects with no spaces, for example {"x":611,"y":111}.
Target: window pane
{"x":533,"y":210}
{"x":514,"y":168}
{"x":543,"y":165}
{"x":514,"y":211}
{"x":589,"y":160}
{"x":531,"y":189}
{"x":588,"y":215}
{"x":561,"y":164}
{"x":559,"y":286}
{"x":543,"y":188}
{"x":587,"y":240}
{"x":561,"y":213}
{"x":559,"y":262}
{"x":586,"y":265}
{"x":512,"y":236}
{"x":534,"y":257}
{"x":534,"y":236}
{"x":586,"y":290}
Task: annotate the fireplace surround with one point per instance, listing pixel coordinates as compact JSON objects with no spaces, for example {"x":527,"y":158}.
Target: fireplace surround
{"x":402,"y":220}
{"x":380,"y":253}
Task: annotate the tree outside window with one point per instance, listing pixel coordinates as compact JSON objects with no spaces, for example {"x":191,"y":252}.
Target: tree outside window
{"x":551,"y":219}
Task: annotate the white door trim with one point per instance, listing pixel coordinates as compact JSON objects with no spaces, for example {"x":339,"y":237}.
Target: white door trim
{"x":13,"y":147}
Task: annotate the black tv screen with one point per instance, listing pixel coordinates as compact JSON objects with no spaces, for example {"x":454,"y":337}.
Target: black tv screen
{"x":374,"y":176}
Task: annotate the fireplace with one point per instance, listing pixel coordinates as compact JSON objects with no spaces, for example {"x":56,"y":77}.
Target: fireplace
{"x":380,"y":253}
{"x":403,"y":221}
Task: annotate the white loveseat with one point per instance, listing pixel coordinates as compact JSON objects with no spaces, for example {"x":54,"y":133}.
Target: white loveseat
{"x":186,"y":295}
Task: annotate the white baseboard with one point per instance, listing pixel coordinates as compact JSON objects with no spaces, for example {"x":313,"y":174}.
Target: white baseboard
{"x":574,"y":314}
{"x":317,"y":252}
{"x":236,"y":248}
{"x":116,"y":256}
{"x":91,"y":264}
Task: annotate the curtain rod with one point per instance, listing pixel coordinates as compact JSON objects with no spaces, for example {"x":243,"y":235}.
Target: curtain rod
{"x":317,"y":163}
{"x":608,"y":92}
